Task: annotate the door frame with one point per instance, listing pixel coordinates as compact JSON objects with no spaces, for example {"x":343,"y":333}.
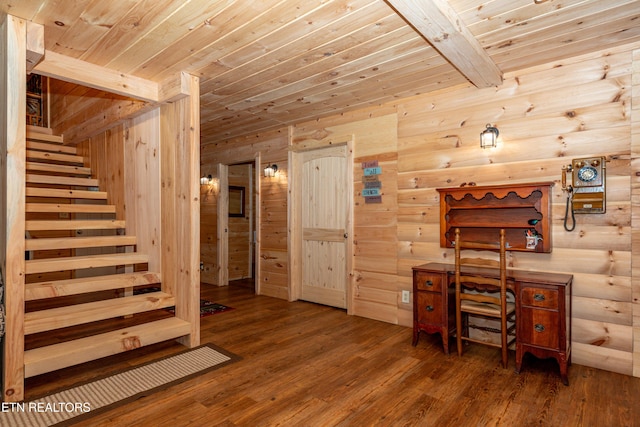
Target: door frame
{"x":222,"y":212}
{"x":294,"y":213}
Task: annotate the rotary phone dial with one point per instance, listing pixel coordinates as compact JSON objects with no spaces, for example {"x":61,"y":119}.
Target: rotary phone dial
{"x":587,"y":172}
{"x":587,"y":193}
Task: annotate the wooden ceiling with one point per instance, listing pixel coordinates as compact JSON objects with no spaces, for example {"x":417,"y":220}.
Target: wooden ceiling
{"x":265,"y":64}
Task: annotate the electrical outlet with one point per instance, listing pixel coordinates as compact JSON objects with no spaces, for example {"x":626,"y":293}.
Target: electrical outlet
{"x":406,"y":297}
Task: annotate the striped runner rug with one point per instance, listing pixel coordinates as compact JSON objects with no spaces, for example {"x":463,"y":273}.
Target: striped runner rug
{"x":85,"y":400}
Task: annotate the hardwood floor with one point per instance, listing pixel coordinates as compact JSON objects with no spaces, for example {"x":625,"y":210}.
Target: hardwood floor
{"x":310,"y":365}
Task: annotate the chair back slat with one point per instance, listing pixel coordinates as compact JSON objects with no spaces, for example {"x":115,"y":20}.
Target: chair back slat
{"x":481,"y":303}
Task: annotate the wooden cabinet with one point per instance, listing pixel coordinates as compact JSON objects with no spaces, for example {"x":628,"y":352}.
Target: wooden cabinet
{"x":433,"y":305}
{"x":543,"y":321}
{"x":543,"y":310}
{"x":524,"y":210}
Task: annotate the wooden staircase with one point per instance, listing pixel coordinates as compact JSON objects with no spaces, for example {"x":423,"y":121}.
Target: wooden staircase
{"x":77,"y":247}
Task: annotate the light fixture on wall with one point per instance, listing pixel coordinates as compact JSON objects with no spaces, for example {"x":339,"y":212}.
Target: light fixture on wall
{"x":270,"y":170}
{"x":206,"y":180}
{"x":489,"y":137}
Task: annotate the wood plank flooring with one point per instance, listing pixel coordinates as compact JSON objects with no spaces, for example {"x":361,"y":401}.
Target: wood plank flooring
{"x":310,"y":365}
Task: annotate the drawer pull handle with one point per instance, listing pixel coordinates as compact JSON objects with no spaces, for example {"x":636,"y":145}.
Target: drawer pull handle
{"x":539,"y":328}
{"x":428,"y":283}
{"x":539,"y":297}
{"x":429,"y":308}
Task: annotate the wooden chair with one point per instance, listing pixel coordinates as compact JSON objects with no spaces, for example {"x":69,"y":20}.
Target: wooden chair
{"x":483,"y":302}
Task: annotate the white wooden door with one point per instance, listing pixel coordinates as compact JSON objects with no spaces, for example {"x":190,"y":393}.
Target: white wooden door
{"x":326,"y":216}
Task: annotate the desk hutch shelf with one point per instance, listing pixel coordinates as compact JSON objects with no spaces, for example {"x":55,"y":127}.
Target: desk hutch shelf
{"x":480,"y":211}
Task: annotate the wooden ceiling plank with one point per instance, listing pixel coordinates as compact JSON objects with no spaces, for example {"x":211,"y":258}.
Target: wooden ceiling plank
{"x":95,"y":22}
{"x":319,"y":27}
{"x":191,"y":16}
{"x":116,"y":112}
{"x":306,"y":51}
{"x":525,"y":24}
{"x":557,"y":50}
{"x":58,"y":17}
{"x":75,"y":106}
{"x":202,"y":40}
{"x":324,"y":69}
{"x":333,"y":75}
{"x":132,"y":28}
{"x":83,"y":73}
{"x":621,"y":26}
{"x":334,"y":95}
{"x":260,"y":39}
{"x":440,"y":25}
{"x":355,"y":57}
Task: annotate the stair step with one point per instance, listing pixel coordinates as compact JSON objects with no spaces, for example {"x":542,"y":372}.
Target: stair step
{"x":66,"y":194}
{"x":59,"y":288}
{"x":74,"y":224}
{"x":47,"y":265}
{"x":69,"y":208}
{"x":78,"y":242}
{"x":61,"y":180}
{"x":78,"y":314}
{"x":37,"y":133}
{"x":54,"y":148}
{"x":62,"y":355}
{"x":55,"y":157}
{"x":62,"y":169}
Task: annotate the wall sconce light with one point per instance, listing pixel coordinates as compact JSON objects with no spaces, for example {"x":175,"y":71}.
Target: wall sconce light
{"x":206,"y":180}
{"x":270,"y":170}
{"x":489,"y":137}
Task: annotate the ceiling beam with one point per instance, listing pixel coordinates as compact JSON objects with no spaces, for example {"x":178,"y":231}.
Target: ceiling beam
{"x":86,"y":74}
{"x":83,"y":73}
{"x":437,"y":22}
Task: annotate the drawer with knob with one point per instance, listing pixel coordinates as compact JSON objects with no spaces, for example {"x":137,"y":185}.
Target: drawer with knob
{"x":539,"y":297}
{"x":542,"y":328}
{"x":428,"y":282}
{"x":429,"y":307}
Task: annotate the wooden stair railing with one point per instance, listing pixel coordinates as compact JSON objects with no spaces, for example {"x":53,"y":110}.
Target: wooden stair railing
{"x":60,"y":188}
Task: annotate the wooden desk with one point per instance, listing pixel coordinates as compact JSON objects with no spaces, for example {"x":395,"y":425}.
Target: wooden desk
{"x":543,"y":309}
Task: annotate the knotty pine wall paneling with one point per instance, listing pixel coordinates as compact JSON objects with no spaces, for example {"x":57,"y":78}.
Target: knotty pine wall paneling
{"x":208,"y":226}
{"x":635,"y":209}
{"x":272,"y":230}
{"x":106,"y":159}
{"x":546,"y":116}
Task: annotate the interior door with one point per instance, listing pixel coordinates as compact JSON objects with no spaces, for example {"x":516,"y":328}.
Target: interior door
{"x":325,"y":220}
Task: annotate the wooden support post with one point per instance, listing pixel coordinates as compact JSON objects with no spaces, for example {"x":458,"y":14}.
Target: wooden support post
{"x":13,"y":83}
{"x":180,"y":206}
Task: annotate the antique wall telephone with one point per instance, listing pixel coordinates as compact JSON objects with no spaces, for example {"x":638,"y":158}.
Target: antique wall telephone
{"x":586,"y":194}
